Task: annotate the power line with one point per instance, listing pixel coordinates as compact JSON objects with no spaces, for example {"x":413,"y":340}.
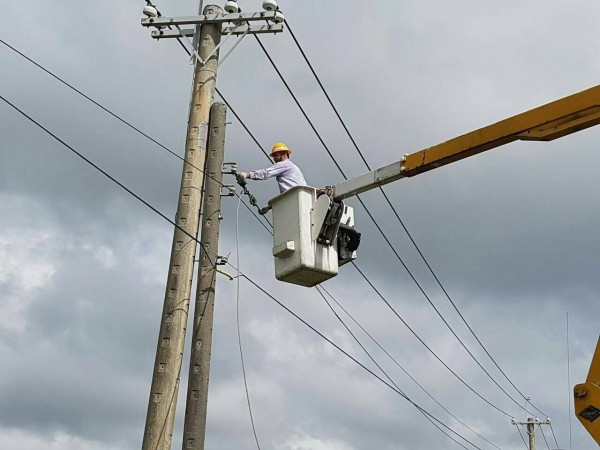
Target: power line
{"x":155,"y":210}
{"x":137,"y":130}
{"x":105,"y":109}
{"x":426,"y":346}
{"x":554,"y":436}
{"x":128,"y":124}
{"x":404,"y":396}
{"x":378,"y":344}
{"x":372,"y":218}
{"x":544,"y":436}
{"x":373,"y":359}
{"x":406,"y":230}
{"x":381,"y":231}
{"x":522,"y":438}
{"x":237,"y":320}
{"x":99,"y":169}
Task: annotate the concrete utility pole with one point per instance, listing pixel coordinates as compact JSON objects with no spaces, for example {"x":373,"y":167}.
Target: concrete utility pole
{"x":530,"y":427}
{"x":531,"y":433}
{"x":197,"y":393}
{"x":169,"y":353}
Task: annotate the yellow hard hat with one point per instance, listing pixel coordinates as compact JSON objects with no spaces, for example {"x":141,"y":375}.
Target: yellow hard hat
{"x":280,"y":147}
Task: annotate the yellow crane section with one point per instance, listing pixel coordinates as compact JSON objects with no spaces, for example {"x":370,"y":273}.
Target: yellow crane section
{"x":544,"y":123}
{"x":587,"y":398}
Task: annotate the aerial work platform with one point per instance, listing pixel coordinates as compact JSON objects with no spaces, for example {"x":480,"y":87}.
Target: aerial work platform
{"x":312,"y":236}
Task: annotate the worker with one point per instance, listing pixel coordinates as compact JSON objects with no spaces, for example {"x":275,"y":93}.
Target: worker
{"x":285,"y":171}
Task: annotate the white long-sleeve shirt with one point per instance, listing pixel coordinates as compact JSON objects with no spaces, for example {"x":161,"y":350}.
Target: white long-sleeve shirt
{"x":285,"y":172}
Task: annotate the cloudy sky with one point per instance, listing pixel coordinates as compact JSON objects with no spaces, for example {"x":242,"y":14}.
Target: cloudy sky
{"x":511,"y":234}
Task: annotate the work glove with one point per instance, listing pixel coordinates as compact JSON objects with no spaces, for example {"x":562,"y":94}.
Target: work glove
{"x":241,"y":176}
{"x":263,"y":211}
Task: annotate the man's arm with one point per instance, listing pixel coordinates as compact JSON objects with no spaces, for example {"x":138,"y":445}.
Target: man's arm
{"x":263,"y":174}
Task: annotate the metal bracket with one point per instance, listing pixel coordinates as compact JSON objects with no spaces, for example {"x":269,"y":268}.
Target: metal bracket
{"x":331,"y":224}
{"x":229,"y":168}
{"x":237,"y":30}
{"x":195,"y":51}
{"x":228,"y":190}
{"x":222,"y":260}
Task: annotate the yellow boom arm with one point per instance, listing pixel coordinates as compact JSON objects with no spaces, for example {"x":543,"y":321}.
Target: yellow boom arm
{"x":587,"y":398}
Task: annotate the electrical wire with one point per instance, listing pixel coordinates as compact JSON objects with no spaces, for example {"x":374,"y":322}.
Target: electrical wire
{"x":368,"y":212}
{"x":128,"y":124}
{"x":207,"y":250}
{"x":99,"y":169}
{"x":554,"y":435}
{"x":140,"y":199}
{"x":153,"y":140}
{"x":379,"y":228}
{"x":118,"y":183}
{"x":320,"y":289}
{"x":99,"y":105}
{"x":404,"y":396}
{"x":522,"y":438}
{"x":544,"y":435}
{"x":243,"y":125}
{"x":364,"y":206}
{"x":314,"y":129}
{"x":395,"y":361}
{"x":426,"y":346}
{"x":237,"y":318}
{"x":371,"y":357}
{"x":409,"y":235}
{"x":389,"y":243}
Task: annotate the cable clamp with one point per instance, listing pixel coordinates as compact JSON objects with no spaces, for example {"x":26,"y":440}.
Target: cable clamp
{"x":228,"y":190}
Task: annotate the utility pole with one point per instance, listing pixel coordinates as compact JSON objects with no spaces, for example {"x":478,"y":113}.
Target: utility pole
{"x":531,"y":433}
{"x":160,"y":417}
{"x":197,"y":394}
{"x":169,"y":354}
{"x":529,"y":425}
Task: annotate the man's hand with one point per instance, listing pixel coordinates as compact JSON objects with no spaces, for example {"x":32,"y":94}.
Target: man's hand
{"x":263,"y":211}
{"x":241,"y":176}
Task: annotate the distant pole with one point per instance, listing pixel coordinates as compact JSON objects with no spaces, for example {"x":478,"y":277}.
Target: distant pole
{"x":529,"y":425}
{"x":194,"y":429}
{"x":531,"y":433}
{"x":162,"y":404}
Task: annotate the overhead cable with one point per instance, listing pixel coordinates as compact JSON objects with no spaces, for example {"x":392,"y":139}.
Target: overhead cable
{"x":127,"y":123}
{"x":409,"y":235}
{"x":155,"y":210}
{"x":522,"y":438}
{"x":544,"y":436}
{"x":237,"y":319}
{"x":381,"y":369}
{"x":338,"y":348}
{"x":426,"y":346}
{"x":395,"y":361}
{"x":554,"y":436}
{"x":379,"y":228}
